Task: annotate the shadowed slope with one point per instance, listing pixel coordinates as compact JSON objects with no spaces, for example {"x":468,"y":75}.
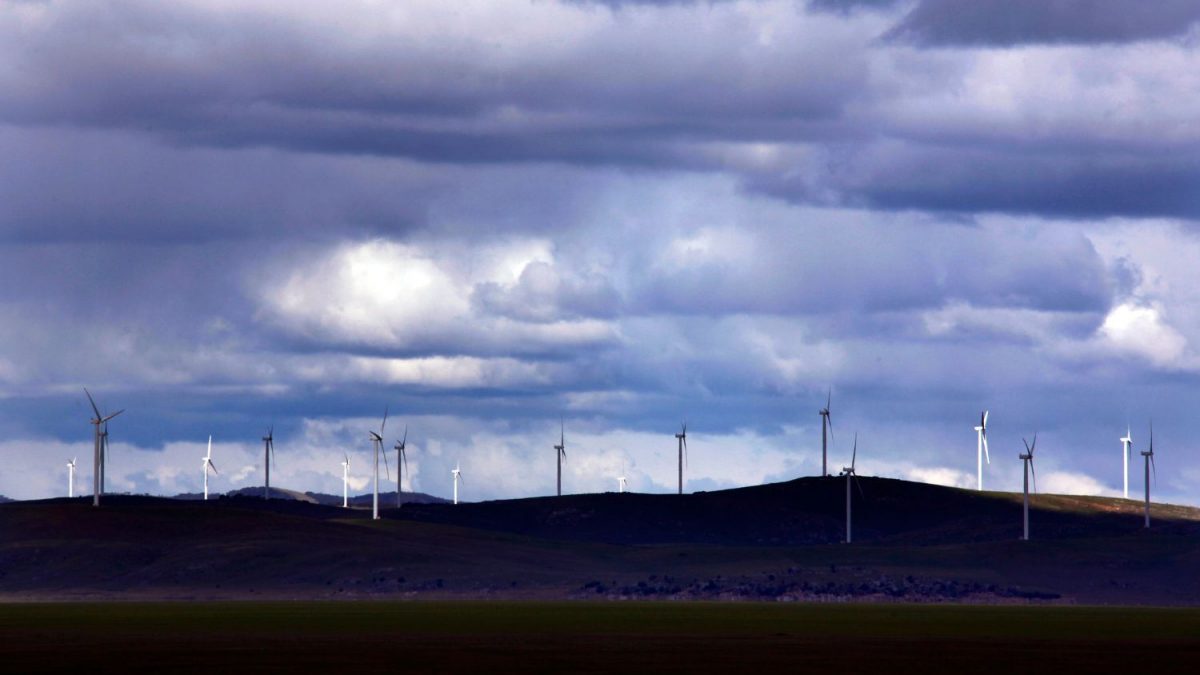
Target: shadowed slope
{"x":803,"y":511}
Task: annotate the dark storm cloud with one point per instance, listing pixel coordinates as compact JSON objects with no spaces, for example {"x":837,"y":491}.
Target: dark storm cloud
{"x":998,"y":180}
{"x":1015,"y":22}
{"x":807,"y":87}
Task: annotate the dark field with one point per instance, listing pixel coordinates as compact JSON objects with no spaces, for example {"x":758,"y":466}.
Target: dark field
{"x":594,"y":637}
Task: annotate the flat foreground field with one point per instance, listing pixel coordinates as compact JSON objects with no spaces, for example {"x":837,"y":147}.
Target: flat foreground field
{"x":593,"y":637}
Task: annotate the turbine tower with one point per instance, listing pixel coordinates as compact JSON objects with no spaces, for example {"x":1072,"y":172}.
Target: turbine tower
{"x":982,"y":447}
{"x":851,"y":475}
{"x":1127,"y":451}
{"x":377,"y":446}
{"x":71,"y":477}
{"x":100,"y":445}
{"x":208,"y":465}
{"x":268,"y":455}
{"x":682,"y":438}
{"x":621,"y":479}
{"x":103,"y":457}
{"x":560,"y":453}
{"x":1148,"y":459}
{"x":457,"y":477}
{"x":346,"y":481}
{"x":826,"y":423}
{"x":1027,"y":460}
{"x":401,"y":456}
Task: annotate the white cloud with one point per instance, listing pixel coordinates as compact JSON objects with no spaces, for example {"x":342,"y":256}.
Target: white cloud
{"x":1141,"y":330}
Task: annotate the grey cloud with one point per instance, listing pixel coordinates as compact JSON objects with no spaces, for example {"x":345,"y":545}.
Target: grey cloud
{"x":1015,"y":22}
{"x":839,"y":268}
{"x":544,"y":293}
{"x":897,"y":177}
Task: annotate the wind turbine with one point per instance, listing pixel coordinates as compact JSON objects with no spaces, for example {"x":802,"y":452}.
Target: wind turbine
{"x":100,"y":446}
{"x":982,"y":447}
{"x":1027,"y":460}
{"x":826,"y":423}
{"x":208,"y":465}
{"x":1127,"y":448}
{"x":560,"y":453}
{"x":1148,"y":459}
{"x":346,"y":481}
{"x":457,"y":477}
{"x":377,"y":445}
{"x":71,"y":477}
{"x":621,"y":479}
{"x":401,"y":456}
{"x":268,"y":455}
{"x":851,"y":475}
{"x":682,"y":436}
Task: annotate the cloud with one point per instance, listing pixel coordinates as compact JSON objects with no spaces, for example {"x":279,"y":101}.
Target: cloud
{"x":1016,"y":22}
{"x":1071,"y":483}
{"x":1142,"y":331}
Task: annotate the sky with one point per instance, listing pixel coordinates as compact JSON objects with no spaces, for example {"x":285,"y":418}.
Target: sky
{"x":494,"y":217}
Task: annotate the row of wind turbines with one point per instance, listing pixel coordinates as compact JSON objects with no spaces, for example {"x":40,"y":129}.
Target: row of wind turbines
{"x":100,"y":425}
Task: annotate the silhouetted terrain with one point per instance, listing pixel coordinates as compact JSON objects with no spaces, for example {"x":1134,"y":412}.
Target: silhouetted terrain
{"x":386,"y":499}
{"x":912,"y":541}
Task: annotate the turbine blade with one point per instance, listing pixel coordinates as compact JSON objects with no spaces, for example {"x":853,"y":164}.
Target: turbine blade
{"x":384,"y":422}
{"x":93,"y":402}
{"x":1033,"y":472}
{"x":985,"y":450}
{"x":1026,"y":444}
{"x":210,"y":445}
{"x":404,"y":456}
{"x":854,"y":455}
{"x":858,"y":484}
{"x":113,"y":415}
{"x":404,"y":441}
{"x":828,"y":398}
{"x":984,"y":422}
{"x":1153,"y":469}
{"x":214,"y":466}
{"x":387,"y":471}
{"x":1152,"y":437}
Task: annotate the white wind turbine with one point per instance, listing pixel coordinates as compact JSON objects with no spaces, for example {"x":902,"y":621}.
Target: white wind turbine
{"x":851,"y":475}
{"x":100,"y":448}
{"x":621,"y":479}
{"x":682,"y":438}
{"x":346,"y":481}
{"x":457,"y":477}
{"x":377,"y":445}
{"x":826,"y":431}
{"x":982,"y":447}
{"x":1027,"y":460}
{"x":71,"y":477}
{"x":1148,"y":458}
{"x":207,"y":464}
{"x":560,"y":452}
{"x":1126,"y":451}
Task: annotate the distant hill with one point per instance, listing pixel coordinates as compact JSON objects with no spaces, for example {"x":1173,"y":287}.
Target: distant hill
{"x":913,"y":541}
{"x":804,"y":511}
{"x":386,"y":499}
{"x":4,"y":499}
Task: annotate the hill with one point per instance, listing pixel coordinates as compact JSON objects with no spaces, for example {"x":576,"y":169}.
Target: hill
{"x":915,"y":542}
{"x":805,"y":511}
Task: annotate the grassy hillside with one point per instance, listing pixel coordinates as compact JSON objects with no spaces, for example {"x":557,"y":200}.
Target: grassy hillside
{"x":915,"y":542}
